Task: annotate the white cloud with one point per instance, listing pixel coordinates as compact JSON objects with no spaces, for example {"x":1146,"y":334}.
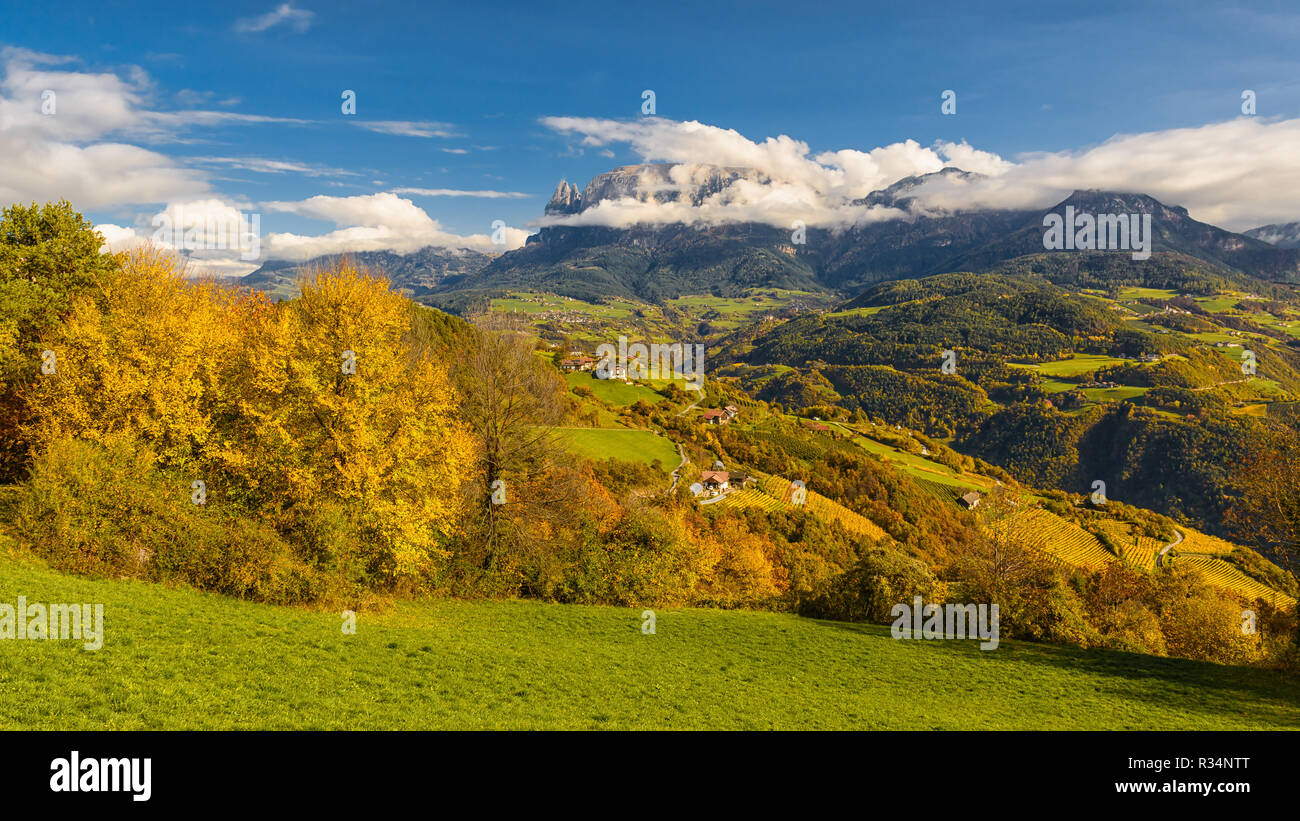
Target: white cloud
{"x":373,"y":222}
{"x":71,"y":153}
{"x":1237,"y":174}
{"x":62,"y":136}
{"x":212,"y":236}
{"x":408,"y":128}
{"x":456,"y":192}
{"x":266,"y":166}
{"x":297,"y":19}
{"x":790,"y":183}
{"x":119,"y":237}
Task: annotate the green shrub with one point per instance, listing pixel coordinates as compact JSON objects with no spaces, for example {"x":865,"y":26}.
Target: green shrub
{"x":869,"y":590}
{"x":107,"y":510}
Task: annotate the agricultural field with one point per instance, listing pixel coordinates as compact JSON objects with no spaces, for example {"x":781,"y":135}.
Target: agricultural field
{"x":625,"y":444}
{"x":797,"y":446}
{"x":539,"y":303}
{"x":918,"y":466}
{"x":731,"y":312}
{"x":1063,"y":540}
{"x":1222,"y":574}
{"x":1222,"y":303}
{"x":182,"y":660}
{"x":1113,"y":394}
{"x":780,"y":488}
{"x":946,"y":493}
{"x":749,"y":497}
{"x":1076,"y":365}
{"x":866,"y":311}
{"x":1139,"y":551}
{"x":588,"y":324}
{"x":1196,"y":542}
{"x":1134,"y":293}
{"x":1290,"y":326}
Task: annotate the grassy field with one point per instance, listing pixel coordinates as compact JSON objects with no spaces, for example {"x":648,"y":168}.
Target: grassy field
{"x":919,"y":466}
{"x":1134,"y":292}
{"x":535,"y":303}
{"x":1113,"y":394}
{"x":867,"y":311}
{"x":1218,"y":304}
{"x":734,"y":312}
{"x":613,"y":391}
{"x":1078,"y":364}
{"x":176,"y":659}
{"x":621,"y":443}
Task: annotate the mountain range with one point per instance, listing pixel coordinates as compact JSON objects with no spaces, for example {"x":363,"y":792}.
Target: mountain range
{"x":417,"y":274}
{"x":655,"y":262}
{"x":1286,"y":235}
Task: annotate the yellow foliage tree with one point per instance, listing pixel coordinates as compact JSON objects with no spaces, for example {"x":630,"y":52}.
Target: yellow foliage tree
{"x":332,"y":401}
{"x":142,"y":360}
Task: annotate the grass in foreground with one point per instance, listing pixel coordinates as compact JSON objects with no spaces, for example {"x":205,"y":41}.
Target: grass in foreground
{"x":176,"y":659}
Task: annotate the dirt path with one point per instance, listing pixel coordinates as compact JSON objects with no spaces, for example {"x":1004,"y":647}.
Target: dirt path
{"x":693,"y":404}
{"x":1160,"y":559}
{"x":677,"y":470}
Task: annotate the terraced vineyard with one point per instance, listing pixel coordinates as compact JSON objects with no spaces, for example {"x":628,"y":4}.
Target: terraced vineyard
{"x":1142,"y":552}
{"x":1194,"y":542}
{"x":779,"y":489}
{"x":853,"y":522}
{"x":793,"y":445}
{"x":948,"y":494}
{"x":1222,"y":574}
{"x":1139,"y":551}
{"x":1060,"y":539}
{"x":750,"y":498}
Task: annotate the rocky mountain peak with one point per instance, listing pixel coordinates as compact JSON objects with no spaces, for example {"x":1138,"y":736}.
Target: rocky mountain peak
{"x":565,"y":200}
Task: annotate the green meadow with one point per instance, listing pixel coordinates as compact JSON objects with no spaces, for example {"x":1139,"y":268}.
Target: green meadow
{"x":178,"y":659}
{"x":626,"y":444}
{"x":1080,"y":363}
{"x":1113,"y":394}
{"x":1133,"y":292}
{"x":733,"y":311}
{"x":613,"y":391}
{"x":533,"y":303}
{"x":918,"y":466}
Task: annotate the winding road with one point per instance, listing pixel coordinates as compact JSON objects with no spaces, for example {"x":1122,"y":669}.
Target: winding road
{"x":1160,"y":559}
{"x":678,"y":469}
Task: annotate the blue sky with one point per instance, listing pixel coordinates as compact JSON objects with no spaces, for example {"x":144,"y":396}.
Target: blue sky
{"x":455,"y":97}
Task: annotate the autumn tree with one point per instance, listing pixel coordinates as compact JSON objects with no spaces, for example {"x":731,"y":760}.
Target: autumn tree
{"x":1008,"y":567}
{"x":512,"y":401}
{"x":1266,"y":512}
{"x":334,"y":406}
{"x":48,"y":256}
{"x":140,"y":357}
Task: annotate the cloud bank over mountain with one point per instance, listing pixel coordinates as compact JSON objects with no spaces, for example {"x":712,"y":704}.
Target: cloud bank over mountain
{"x":1237,"y":174}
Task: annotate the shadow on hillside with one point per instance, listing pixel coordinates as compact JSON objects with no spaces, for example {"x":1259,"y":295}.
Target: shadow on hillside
{"x":1207,"y":687}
